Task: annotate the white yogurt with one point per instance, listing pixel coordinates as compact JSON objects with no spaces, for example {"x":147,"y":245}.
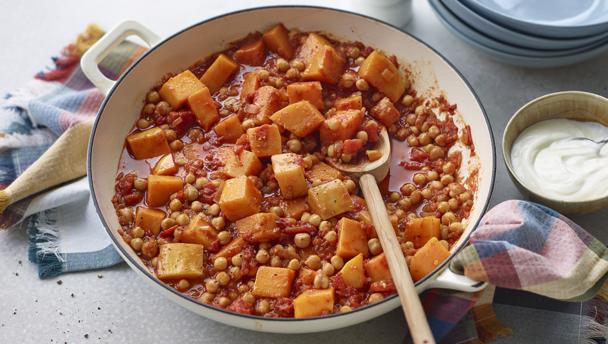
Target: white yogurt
{"x":549,"y":162}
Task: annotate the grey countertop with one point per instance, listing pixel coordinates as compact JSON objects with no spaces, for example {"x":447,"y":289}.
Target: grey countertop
{"x":113,"y":305}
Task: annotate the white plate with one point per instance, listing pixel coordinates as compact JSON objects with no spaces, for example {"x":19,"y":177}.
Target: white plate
{"x":510,"y":36}
{"x":550,"y":18}
{"x":481,"y":38}
{"x":521,"y":60}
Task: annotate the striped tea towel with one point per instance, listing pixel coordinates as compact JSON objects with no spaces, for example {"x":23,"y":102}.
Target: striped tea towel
{"x":44,"y":131}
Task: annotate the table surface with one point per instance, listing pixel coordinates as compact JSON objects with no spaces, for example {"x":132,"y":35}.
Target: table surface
{"x":113,"y":305}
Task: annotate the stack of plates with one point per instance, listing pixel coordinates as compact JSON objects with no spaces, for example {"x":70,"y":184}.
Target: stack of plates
{"x":541,"y":33}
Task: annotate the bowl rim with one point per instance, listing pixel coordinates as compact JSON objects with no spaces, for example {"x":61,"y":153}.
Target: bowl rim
{"x":506,"y":156}
{"x":186,"y":298}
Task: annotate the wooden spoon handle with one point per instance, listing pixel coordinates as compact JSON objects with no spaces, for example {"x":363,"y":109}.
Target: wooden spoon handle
{"x":410,"y":302}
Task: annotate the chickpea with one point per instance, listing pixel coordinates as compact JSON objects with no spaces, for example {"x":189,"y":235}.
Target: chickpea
{"x":222,"y":278}
{"x":207,"y":298}
{"x":443,"y":207}
{"x":175,"y":204}
{"x":176,"y":145}
{"x":263,"y":74}
{"x":292,"y":74}
{"x":220,"y":263}
{"x":294,"y":145}
{"x":262,"y":307}
{"x":407,"y":100}
{"x":321,"y":281}
{"x":190,"y":178}
{"x":182,"y":219}
{"x":412,"y":140}
{"x":224,"y":237}
{"x":436,"y":153}
{"x":314,"y":220}
{"x":143,"y":123}
{"x":375,"y":297}
{"x":345,"y":309}
{"x":348,"y":80}
{"x":350,"y":186}
{"x":147,"y":110}
{"x":419,"y":178}
{"x":346,"y":157}
{"x":302,"y":240}
{"x":237,"y":260}
{"x":278,"y":211}
{"x":262,"y":256}
{"x":313,"y":262}
{"x":362,"y":85}
{"x":407,"y":189}
{"x":359,"y":60}
{"x":224,"y":302}
{"x":282,"y":64}
{"x":353,"y":52}
{"x":163,"y":108}
{"x":328,"y":269}
{"x":374,"y":246}
{"x":337,"y":262}
{"x":424,"y":139}
{"x":419,"y":110}
{"x":299,"y":65}
{"x":167,"y":223}
{"x":362,"y":135}
{"x":196,"y":206}
{"x":405,"y":204}
{"x":448,"y":218}
{"x":200,"y":182}
{"x":325,"y":226}
{"x":453,"y":203}
{"x":136,"y":244}
{"x":331,"y":236}
{"x":394,"y":196}
{"x":394,"y":220}
{"x":449,"y":168}
{"x":191,"y":193}
{"x":305,"y":216}
{"x":416,"y":197}
{"x":456,"y":227}
{"x":213,"y":210}
{"x":137,"y":232}
{"x":183,"y":285}
{"x":275,"y":261}
{"x":293,"y":264}
{"x":427,"y":193}
{"x":434,"y":131}
{"x":218,"y":223}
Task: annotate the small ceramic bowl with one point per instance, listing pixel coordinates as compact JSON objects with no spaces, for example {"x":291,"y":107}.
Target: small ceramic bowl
{"x":575,"y":105}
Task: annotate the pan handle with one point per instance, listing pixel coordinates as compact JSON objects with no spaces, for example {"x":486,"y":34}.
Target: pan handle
{"x":96,"y":53}
{"x":450,"y":280}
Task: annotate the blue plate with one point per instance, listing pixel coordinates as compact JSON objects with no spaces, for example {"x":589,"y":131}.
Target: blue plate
{"x":513,"y":37}
{"x":519,"y":60}
{"x":548,"y":18}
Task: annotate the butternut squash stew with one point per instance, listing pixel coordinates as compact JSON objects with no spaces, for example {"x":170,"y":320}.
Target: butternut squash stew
{"x":226,"y":189}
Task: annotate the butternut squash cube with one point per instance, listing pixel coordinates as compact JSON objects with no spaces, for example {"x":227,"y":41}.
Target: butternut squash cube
{"x":265,"y":140}
{"x":377,"y":268}
{"x":261,"y":227}
{"x":354,"y":102}
{"x":329,"y":199}
{"x":295,"y":207}
{"x":199,"y":232}
{"x":148,"y":144}
{"x":253,"y":53}
{"x":352,"y":273}
{"x":236,"y":246}
{"x":343,"y":125}
{"x":240,"y":198}
{"x":380,"y":72}
{"x":427,"y":258}
{"x":160,"y":188}
{"x":352,"y":239}
{"x":176,"y":90}
{"x":244,"y":164}
{"x":314,"y":302}
{"x":149,"y":219}
{"x":277,"y":40}
{"x":229,"y":129}
{"x":179,"y":260}
{"x":251,"y":83}
{"x":268,"y":100}
{"x":273,"y":282}
{"x":385,"y":112}
{"x":219,"y":72}
{"x":204,"y":108}
{"x":322,"y":60}
{"x":301,"y":118}
{"x":322,"y":173}
{"x":165,"y":166}
{"x":311,"y":91}
{"x":421,"y":230}
{"x":288,"y":170}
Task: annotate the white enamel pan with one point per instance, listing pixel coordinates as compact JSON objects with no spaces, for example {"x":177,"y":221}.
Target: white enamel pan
{"x":432,"y":74}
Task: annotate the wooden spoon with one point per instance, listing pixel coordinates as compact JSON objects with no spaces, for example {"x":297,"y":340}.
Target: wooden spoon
{"x":369,"y":174}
